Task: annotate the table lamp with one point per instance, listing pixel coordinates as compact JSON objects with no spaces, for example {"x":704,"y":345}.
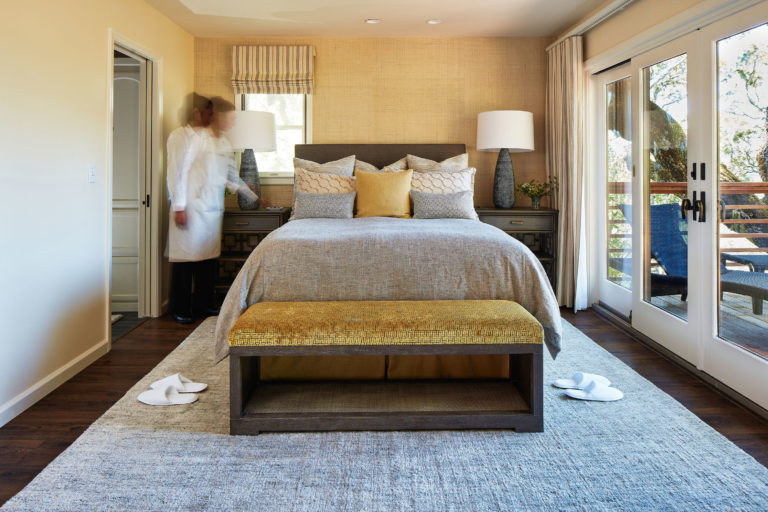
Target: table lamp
{"x":504,"y":131}
{"x":253,"y":131}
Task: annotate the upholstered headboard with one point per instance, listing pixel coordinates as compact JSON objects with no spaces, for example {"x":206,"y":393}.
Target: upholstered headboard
{"x":377,"y":154}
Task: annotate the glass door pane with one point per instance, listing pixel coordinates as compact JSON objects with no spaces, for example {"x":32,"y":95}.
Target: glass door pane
{"x":742,"y":81}
{"x":618,"y":163}
{"x":665,"y":148}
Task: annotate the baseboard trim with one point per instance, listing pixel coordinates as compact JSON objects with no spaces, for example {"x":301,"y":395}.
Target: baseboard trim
{"x":42,"y":387}
{"x":619,"y":321}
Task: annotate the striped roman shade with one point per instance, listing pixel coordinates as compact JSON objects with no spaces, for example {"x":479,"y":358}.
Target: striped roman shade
{"x":273,"y":69}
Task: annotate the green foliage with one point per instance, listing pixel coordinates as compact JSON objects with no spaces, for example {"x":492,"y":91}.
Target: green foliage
{"x":534,"y":189}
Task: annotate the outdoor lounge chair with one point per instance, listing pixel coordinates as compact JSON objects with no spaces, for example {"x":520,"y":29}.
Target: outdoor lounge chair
{"x":669,"y":247}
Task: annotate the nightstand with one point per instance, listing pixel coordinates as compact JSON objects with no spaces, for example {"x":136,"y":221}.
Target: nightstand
{"x":537,"y":229}
{"x":241,"y":232}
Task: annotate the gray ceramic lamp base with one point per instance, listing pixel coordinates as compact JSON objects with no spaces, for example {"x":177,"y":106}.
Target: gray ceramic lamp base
{"x":504,"y":181}
{"x":249,"y":173}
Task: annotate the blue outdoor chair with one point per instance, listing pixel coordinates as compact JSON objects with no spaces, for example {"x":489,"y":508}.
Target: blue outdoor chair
{"x":669,"y":247}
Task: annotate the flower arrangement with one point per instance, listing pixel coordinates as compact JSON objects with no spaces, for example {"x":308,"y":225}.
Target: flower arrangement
{"x":535,"y":190}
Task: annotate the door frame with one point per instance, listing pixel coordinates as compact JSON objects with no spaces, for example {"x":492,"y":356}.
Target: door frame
{"x":153,"y":175}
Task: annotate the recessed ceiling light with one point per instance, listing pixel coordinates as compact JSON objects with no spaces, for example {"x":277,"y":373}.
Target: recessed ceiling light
{"x":434,"y":22}
{"x":373,"y":21}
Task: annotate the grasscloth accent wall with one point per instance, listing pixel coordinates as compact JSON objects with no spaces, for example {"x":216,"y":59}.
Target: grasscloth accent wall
{"x":399,"y":90}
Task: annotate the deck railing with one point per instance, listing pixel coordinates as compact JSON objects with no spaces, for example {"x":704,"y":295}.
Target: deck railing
{"x":726,"y":188}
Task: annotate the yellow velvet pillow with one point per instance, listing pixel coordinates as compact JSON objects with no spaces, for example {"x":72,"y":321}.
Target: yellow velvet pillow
{"x":383,"y":194}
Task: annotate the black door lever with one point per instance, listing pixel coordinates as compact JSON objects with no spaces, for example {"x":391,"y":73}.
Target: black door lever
{"x":702,"y":208}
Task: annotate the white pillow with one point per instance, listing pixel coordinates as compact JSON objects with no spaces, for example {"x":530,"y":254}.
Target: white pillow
{"x":443,"y":182}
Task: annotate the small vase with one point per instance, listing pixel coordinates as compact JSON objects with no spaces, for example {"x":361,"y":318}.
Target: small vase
{"x":535,"y":203}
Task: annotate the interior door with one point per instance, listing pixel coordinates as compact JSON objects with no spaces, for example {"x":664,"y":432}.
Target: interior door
{"x":130,"y":219}
{"x":666,"y":301}
{"x":735,"y":89}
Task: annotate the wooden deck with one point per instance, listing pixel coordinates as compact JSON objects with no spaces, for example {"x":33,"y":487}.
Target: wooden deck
{"x":737,"y":322}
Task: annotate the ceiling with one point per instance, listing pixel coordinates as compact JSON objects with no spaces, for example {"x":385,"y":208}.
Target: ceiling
{"x":400,"y":18}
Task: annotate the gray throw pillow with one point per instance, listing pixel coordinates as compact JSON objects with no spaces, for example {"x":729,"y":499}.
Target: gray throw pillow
{"x":341,"y":167}
{"x":323,"y":206}
{"x":456,"y":205}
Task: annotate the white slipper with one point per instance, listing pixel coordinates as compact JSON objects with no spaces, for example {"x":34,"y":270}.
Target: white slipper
{"x":581,"y":380}
{"x":180,"y":382}
{"x":596,"y":391}
{"x":166,"y":396}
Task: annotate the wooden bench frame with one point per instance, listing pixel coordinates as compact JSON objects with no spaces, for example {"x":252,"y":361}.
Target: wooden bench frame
{"x":526,"y":379}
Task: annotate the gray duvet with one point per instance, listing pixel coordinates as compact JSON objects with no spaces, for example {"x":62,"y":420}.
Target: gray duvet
{"x":380,"y":258}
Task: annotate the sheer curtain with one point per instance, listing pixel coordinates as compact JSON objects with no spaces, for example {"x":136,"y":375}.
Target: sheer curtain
{"x":565,"y":160}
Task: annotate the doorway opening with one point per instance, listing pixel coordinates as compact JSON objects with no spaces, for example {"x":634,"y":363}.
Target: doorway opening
{"x":131,"y":184}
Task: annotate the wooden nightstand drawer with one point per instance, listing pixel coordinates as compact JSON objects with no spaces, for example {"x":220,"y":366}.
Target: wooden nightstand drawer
{"x":245,"y":223}
{"x":520,"y":222}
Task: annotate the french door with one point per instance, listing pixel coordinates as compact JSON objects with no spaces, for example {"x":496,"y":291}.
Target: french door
{"x":685,"y":149}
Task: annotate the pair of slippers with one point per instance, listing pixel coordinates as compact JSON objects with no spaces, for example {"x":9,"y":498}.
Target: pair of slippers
{"x":172,"y":390}
{"x":588,"y":386}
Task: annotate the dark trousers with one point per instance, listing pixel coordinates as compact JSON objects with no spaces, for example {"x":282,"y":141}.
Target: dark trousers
{"x":193,"y":287}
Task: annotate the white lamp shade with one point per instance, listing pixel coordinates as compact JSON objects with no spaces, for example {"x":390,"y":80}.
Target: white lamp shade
{"x":511,"y":129}
{"x":253,"y":130}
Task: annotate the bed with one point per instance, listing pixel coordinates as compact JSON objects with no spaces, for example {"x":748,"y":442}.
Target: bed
{"x":379,"y":258}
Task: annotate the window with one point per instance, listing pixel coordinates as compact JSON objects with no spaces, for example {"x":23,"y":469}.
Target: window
{"x":292,"y":123}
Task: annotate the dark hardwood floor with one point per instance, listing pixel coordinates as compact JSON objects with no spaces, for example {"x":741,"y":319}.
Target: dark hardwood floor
{"x":33,"y":439}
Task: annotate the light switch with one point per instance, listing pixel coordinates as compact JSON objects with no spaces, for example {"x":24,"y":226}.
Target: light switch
{"x":91,"y":173}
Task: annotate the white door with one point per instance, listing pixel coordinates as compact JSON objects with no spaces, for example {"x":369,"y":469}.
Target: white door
{"x":699,"y":215}
{"x":613,"y":152}
{"x":735,"y":98}
{"x":666,"y":301}
{"x":130,"y":219}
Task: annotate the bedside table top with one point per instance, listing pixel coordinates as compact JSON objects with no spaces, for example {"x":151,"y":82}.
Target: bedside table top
{"x":258,"y":211}
{"x":516,"y":210}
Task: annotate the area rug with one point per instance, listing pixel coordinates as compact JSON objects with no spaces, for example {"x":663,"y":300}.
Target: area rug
{"x":646,"y":452}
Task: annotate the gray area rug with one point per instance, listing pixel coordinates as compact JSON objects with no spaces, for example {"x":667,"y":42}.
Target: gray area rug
{"x":646,"y":452}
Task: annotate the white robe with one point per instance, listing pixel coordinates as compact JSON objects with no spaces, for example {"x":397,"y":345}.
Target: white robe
{"x":200,"y":167}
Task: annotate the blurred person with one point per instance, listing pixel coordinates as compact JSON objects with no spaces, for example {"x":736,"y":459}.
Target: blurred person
{"x":201,"y":165}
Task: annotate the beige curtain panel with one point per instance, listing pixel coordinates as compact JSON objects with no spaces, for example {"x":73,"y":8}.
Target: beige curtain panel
{"x":565,"y":160}
{"x":273,"y":69}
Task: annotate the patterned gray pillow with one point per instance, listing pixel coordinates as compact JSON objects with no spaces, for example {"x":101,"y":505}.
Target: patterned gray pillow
{"x":341,"y":167}
{"x":323,"y":206}
{"x":453,"y":164}
{"x":400,"y":165}
{"x":457,"y":205}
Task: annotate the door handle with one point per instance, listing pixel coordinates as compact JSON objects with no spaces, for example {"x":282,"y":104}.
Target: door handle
{"x":695,"y":207}
{"x":702,"y":208}
{"x":722,"y":210}
{"x":685,"y":205}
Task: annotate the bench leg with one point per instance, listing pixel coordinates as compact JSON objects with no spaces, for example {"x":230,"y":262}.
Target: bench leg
{"x":527,"y":370}
{"x":243,"y":379}
{"x":757,"y":305}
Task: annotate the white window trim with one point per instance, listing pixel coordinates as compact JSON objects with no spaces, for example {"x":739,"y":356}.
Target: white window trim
{"x":284,"y":178}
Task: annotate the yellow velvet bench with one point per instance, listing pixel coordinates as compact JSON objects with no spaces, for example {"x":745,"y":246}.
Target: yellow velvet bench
{"x":386,"y":328}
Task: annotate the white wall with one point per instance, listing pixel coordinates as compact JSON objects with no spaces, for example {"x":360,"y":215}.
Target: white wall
{"x":56,"y":71}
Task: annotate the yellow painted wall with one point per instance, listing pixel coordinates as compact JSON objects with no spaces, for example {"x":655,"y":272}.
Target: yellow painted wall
{"x":633,"y":20}
{"x":56,"y":111}
{"x":400,"y":90}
